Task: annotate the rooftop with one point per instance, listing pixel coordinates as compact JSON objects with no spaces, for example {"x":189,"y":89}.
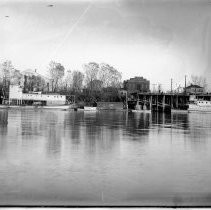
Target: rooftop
{"x":193,"y":86}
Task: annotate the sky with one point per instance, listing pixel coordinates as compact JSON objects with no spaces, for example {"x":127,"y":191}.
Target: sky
{"x":156,"y":39}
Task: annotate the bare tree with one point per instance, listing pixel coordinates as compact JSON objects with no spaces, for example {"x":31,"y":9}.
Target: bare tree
{"x":68,"y":80}
{"x":6,"y":71}
{"x":109,"y":76}
{"x":77,"y":81}
{"x":16,"y":78}
{"x":199,"y":80}
{"x":104,"y":74}
{"x":91,"y":72}
{"x":56,"y":71}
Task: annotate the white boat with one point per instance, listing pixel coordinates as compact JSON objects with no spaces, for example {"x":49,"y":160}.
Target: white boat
{"x":59,"y":107}
{"x":90,"y":108}
{"x":200,"y":106}
{"x":141,"y":110}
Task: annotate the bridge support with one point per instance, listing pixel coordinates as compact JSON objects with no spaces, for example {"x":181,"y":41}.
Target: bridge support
{"x":163,"y":103}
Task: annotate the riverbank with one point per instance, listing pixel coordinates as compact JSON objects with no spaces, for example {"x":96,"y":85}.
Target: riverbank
{"x":100,"y":106}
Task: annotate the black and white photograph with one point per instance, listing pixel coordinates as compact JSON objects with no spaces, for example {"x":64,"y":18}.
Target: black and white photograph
{"x":105,"y":103}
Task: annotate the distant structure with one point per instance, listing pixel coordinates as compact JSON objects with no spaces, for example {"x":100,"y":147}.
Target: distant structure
{"x":17,"y":97}
{"x":137,"y":84}
{"x":194,"y":89}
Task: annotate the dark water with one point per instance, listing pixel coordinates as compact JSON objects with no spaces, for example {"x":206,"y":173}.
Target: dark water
{"x":104,"y":158}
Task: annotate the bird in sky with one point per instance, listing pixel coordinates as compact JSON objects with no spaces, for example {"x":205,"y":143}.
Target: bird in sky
{"x":50,"y":5}
{"x":6,"y":16}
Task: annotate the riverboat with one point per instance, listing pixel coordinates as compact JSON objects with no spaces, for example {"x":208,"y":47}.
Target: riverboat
{"x":200,"y":106}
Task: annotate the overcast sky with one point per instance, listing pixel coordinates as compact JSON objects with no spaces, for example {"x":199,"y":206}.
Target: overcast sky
{"x":156,"y":39}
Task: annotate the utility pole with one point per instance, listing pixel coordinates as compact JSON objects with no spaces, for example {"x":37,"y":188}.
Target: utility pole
{"x":171,"y":84}
{"x":185,"y":83}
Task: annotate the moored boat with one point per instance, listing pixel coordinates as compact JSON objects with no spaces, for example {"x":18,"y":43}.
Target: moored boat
{"x":61,"y":107}
{"x":200,"y":106}
{"x":90,"y":108}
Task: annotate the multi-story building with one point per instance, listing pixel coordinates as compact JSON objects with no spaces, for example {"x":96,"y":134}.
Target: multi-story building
{"x":137,"y":84}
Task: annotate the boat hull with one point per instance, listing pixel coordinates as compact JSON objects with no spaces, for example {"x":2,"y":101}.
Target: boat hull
{"x":198,"y":108}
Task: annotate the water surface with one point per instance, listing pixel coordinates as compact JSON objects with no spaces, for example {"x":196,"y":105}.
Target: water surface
{"x":105,"y":158}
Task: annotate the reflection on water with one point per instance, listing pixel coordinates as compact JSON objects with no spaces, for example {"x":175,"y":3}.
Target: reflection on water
{"x":3,"y":122}
{"x":104,"y":158}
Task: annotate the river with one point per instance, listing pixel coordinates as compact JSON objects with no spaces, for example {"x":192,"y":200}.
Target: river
{"x":104,"y":158}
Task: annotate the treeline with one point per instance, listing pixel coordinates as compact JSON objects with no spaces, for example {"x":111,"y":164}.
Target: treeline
{"x":96,"y":82}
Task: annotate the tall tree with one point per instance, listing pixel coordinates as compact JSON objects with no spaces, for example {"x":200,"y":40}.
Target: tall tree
{"x":91,"y":72}
{"x":77,"y":81}
{"x":6,"y":71}
{"x":16,"y":78}
{"x":56,"y":71}
{"x":67,"y":80}
{"x":109,"y":76}
{"x":104,"y":74}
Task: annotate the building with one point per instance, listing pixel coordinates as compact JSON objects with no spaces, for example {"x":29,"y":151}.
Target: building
{"x":194,"y":89}
{"x":137,"y":84}
{"x":17,"y":97}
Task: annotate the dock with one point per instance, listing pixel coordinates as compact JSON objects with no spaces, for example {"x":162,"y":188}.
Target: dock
{"x":163,"y":102}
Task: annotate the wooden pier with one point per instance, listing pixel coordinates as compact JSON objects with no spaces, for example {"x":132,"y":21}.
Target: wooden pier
{"x":162,"y":102}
